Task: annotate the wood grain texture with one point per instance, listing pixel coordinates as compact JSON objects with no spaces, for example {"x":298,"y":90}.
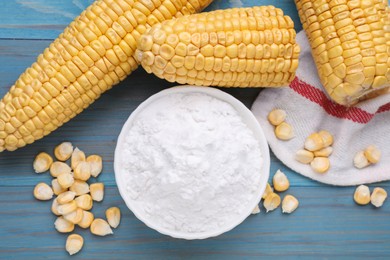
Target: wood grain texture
{"x":327,"y":225}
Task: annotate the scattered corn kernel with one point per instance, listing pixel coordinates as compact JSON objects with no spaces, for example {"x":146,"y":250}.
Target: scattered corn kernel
{"x":284,"y":131}
{"x":327,"y":138}
{"x":362,"y":195}
{"x":42,"y":191}
{"x":378,"y":197}
{"x":256,"y":210}
{"x":97,"y":191}
{"x":79,"y":187}
{"x":42,"y":162}
{"x":277,"y":116}
{"x":66,"y":197}
{"x":360,"y":161}
{"x":271,"y":202}
{"x":75,"y":216}
{"x":96,"y":163}
{"x":280,"y":181}
{"x":100,"y":227}
{"x":67,"y":208}
{"x":113,"y":216}
{"x":54,"y":207}
{"x":63,"y":226}
{"x":320,"y":164}
{"x":58,"y":168}
{"x":63,"y":151}
{"x":86,"y":220}
{"x":82,"y":171}
{"x":57,"y":189}
{"x":324,"y":152}
{"x":74,"y":243}
{"x":314,"y":142}
{"x":84,"y":202}
{"x":289,"y":204}
{"x":372,"y":153}
{"x":77,"y":156}
{"x":304,"y":156}
{"x":268,"y":190}
{"x":65,"y":180}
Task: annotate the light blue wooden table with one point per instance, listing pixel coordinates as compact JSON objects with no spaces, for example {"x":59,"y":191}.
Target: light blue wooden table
{"x":327,"y":225}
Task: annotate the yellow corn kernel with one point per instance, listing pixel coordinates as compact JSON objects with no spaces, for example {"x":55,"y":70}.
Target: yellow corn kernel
{"x":277,"y":116}
{"x":280,"y":181}
{"x":54,"y":207}
{"x":65,"y":197}
{"x":79,"y":187}
{"x":63,"y":226}
{"x":84,"y":202}
{"x":113,"y":216}
{"x":314,"y":142}
{"x":284,"y":131}
{"x":362,"y":195}
{"x":67,"y":208}
{"x":360,"y":160}
{"x":268,"y":190}
{"x":100,"y":227}
{"x":256,"y":210}
{"x":289,"y":204}
{"x":65,"y":180}
{"x":320,"y":164}
{"x":378,"y":197}
{"x":97,"y":191}
{"x":42,"y":162}
{"x":63,"y":151}
{"x":87,"y":219}
{"x":42,"y":191}
{"x":57,"y":189}
{"x":372,"y":153}
{"x":82,"y":171}
{"x":75,"y":216}
{"x":77,"y":157}
{"x":271,"y":202}
{"x":327,"y":138}
{"x":74,"y":243}
{"x":96,"y":164}
{"x":324,"y":152}
{"x":58,"y":168}
{"x":304,"y":156}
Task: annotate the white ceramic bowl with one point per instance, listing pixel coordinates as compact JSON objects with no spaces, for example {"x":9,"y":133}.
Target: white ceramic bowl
{"x":246,"y":116}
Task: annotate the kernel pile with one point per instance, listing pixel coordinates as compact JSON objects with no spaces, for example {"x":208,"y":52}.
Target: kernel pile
{"x":370,"y":155}
{"x":74,"y":195}
{"x":283,"y":130}
{"x":362,"y":196}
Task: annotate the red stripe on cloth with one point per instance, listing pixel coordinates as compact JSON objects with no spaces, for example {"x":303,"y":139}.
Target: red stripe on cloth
{"x":315,"y":95}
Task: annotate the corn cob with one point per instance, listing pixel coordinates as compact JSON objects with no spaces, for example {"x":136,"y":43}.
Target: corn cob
{"x":239,"y":47}
{"x":350,"y":43}
{"x":93,"y":53}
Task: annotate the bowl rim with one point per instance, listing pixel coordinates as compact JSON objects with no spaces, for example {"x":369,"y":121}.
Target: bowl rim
{"x":247,"y":117}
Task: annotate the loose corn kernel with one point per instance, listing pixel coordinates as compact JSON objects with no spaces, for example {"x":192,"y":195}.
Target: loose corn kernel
{"x":289,"y":204}
{"x":74,"y":243}
{"x":372,"y":153}
{"x":42,"y":162}
{"x":271,"y":202}
{"x":324,"y":152}
{"x":65,"y":180}
{"x":113,"y":216}
{"x":96,"y":164}
{"x":63,"y":226}
{"x":280,"y":181}
{"x":63,"y":151}
{"x":84,"y":202}
{"x":66,"y":197}
{"x":97,"y":191}
{"x":284,"y":131}
{"x":304,"y":156}
{"x":360,"y":161}
{"x":79,"y":187}
{"x":82,"y":171}
{"x":57,"y":189}
{"x":378,"y":197}
{"x":54,"y":207}
{"x":77,"y":156}
{"x":314,"y":142}
{"x":42,"y":191}
{"x":75,"y":217}
{"x":67,"y":208}
{"x":277,"y":116}
{"x":86,"y":220}
{"x":327,"y":138}
{"x":320,"y":164}
{"x":268,"y":190}
{"x":58,"y":168}
{"x":362,"y":195}
{"x":256,"y":210}
{"x":100,"y":227}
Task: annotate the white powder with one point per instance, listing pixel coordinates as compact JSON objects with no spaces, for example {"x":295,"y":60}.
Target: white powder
{"x":190,"y":163}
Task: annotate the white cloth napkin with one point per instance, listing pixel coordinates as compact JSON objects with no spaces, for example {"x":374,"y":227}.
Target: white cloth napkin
{"x":309,"y":110}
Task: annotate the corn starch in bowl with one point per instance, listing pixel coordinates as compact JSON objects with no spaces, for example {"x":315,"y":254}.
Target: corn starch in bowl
{"x":191,"y":162}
